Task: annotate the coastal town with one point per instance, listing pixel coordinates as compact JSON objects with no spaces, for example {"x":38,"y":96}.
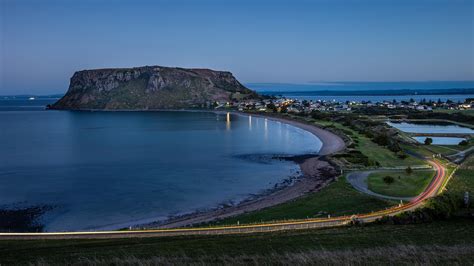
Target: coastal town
{"x":289,"y":105}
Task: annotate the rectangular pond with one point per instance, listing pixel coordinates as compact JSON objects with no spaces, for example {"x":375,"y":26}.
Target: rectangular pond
{"x":441,"y":140}
{"x":431,"y":128}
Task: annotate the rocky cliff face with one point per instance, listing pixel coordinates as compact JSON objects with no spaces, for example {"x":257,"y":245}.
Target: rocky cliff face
{"x":151,"y":87}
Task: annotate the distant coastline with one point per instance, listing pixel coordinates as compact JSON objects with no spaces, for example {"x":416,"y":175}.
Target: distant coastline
{"x":462,"y":91}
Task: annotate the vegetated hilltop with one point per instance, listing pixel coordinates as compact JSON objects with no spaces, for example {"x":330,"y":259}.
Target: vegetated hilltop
{"x":151,"y":87}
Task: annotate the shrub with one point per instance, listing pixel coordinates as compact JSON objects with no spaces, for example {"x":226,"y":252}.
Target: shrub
{"x":463,"y":143}
{"x":428,"y":141}
{"x":388,"y":179}
{"x":402,"y":156}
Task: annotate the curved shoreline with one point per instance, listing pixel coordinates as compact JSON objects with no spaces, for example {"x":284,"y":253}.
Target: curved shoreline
{"x":315,"y":177}
{"x":316,"y":174}
{"x":331,"y":143}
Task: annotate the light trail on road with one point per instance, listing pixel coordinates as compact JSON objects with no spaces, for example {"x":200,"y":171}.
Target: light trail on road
{"x":432,"y":190}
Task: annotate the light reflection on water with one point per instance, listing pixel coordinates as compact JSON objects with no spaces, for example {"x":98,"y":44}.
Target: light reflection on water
{"x":104,"y":169}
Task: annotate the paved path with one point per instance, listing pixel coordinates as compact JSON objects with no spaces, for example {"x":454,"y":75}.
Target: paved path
{"x":461,"y":155}
{"x":359,"y":181}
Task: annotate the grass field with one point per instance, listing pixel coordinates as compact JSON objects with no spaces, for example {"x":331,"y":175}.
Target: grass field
{"x":463,"y":179}
{"x":404,"y":185}
{"x":466,"y":112}
{"x":375,"y":152}
{"x":444,"y":149}
{"x":339,"y":198}
{"x":442,"y":242}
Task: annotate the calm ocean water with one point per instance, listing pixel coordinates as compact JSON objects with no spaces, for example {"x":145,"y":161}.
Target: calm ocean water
{"x":304,"y":90}
{"x":111,"y":169}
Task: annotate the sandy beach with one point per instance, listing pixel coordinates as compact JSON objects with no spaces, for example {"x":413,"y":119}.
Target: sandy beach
{"x":316,"y":174}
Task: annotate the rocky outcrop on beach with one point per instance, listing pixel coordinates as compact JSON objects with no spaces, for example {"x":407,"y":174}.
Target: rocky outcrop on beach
{"x":151,"y":87}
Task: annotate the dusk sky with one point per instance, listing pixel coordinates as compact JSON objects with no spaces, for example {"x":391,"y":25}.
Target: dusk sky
{"x":44,"y":42}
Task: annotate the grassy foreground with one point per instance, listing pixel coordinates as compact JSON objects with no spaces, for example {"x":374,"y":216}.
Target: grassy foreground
{"x":339,"y":198}
{"x":440,"y":242}
{"x":404,"y":185}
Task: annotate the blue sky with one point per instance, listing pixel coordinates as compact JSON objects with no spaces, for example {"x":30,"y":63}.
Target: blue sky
{"x":44,"y":42}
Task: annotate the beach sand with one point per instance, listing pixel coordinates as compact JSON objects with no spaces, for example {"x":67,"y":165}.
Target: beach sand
{"x":316,"y":174}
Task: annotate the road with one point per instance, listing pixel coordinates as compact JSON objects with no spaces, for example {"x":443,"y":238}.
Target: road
{"x":434,"y":187}
{"x":359,"y":181}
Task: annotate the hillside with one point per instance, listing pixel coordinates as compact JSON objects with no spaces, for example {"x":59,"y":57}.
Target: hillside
{"x":151,"y":87}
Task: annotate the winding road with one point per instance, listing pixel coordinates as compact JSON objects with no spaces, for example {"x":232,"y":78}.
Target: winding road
{"x":434,"y":187}
{"x":359,"y":181}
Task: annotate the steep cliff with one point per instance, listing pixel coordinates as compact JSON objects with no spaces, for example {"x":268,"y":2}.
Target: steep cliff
{"x":151,"y":87}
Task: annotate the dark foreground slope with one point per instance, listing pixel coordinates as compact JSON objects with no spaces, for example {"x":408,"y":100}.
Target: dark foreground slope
{"x":150,"y":87}
{"x":440,"y":243}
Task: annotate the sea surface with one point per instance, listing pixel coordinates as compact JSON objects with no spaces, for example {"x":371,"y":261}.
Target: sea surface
{"x":108,"y":170}
{"x":306,"y":91}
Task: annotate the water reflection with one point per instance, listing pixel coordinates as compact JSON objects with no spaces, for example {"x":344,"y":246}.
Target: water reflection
{"x":227,"y":123}
{"x":266,"y":129}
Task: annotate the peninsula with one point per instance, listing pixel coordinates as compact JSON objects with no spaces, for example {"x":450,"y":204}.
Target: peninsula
{"x":151,"y":87}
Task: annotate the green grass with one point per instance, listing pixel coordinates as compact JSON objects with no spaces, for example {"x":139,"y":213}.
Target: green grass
{"x":375,"y":152}
{"x":463,"y":179}
{"x":465,"y":112}
{"x":262,"y":247}
{"x":404,"y":185}
{"x":445,"y":149}
{"x":449,"y":149}
{"x":339,"y":198}
{"x":385,"y":157}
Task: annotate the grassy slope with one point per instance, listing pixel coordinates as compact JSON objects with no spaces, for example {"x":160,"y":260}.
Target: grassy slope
{"x":267,"y":247}
{"x":339,"y":198}
{"x":372,"y":150}
{"x":445,"y":149}
{"x":465,"y":112}
{"x":404,"y":185}
{"x":463,"y":179}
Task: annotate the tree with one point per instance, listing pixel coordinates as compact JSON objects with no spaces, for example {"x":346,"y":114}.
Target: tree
{"x":428,"y":141}
{"x":463,"y":143}
{"x":402,"y":156}
{"x":388,"y":179}
{"x":272,"y":107}
{"x":381,"y":139}
{"x":408,"y":170}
